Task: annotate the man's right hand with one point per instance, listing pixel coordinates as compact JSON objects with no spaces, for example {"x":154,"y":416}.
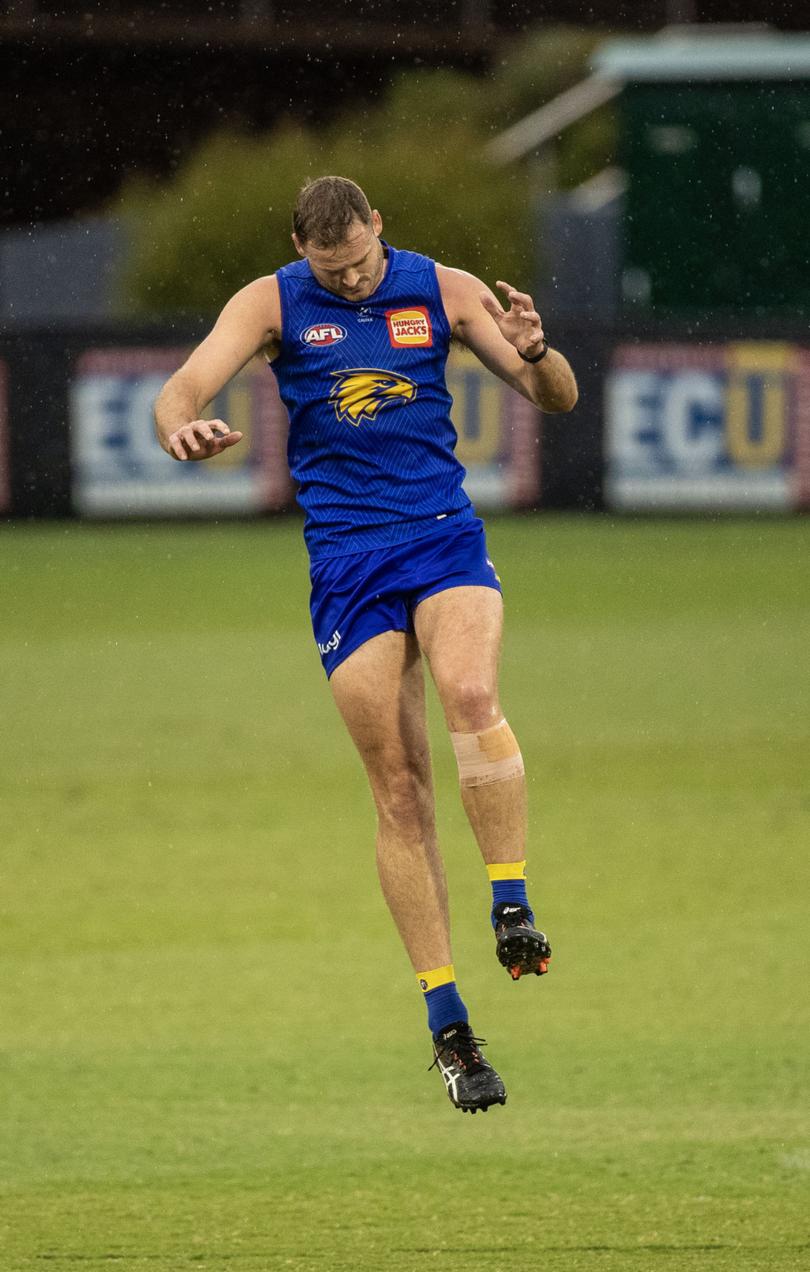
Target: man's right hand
{"x":201,"y":439}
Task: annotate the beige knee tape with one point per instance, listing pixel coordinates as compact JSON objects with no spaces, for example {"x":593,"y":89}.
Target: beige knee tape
{"x":491,"y":756}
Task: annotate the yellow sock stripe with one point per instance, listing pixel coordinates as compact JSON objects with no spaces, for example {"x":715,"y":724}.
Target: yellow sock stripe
{"x":433,"y":979}
{"x":506,"y":870}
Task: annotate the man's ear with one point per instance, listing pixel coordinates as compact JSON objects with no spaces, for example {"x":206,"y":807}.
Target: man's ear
{"x":376,"y":223}
{"x":297,"y":244}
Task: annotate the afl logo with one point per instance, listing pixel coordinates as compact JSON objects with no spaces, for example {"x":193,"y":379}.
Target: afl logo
{"x":323,"y":333}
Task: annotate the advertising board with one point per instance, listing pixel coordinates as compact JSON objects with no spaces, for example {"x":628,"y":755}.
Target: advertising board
{"x":498,"y":436}
{"x":5,"y":464}
{"x":120,"y":470}
{"x":708,"y":427}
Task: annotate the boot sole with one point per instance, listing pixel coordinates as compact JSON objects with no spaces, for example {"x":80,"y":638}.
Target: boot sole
{"x":522,"y":952}
{"x":473,"y":1108}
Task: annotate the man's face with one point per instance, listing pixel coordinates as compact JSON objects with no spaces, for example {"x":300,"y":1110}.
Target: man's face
{"x":353,"y":269}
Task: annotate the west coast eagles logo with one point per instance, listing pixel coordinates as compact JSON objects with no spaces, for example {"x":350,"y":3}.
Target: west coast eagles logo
{"x":361,"y":393}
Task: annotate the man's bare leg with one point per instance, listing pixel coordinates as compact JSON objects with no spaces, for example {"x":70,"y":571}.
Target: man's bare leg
{"x":459,"y":631}
{"x":380,"y":693}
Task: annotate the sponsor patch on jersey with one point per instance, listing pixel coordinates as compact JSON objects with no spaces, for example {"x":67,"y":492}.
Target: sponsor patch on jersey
{"x":360,"y":393}
{"x":323,"y":333}
{"x":409,"y":326}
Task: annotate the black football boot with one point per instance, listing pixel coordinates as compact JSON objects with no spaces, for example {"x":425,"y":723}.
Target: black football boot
{"x":518,"y":944}
{"x":471,"y":1081}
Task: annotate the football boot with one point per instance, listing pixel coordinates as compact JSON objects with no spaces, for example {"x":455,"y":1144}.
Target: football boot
{"x":519,"y":946}
{"x":471,"y":1081}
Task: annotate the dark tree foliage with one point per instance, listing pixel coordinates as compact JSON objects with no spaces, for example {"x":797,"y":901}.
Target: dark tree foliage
{"x":420,"y":156}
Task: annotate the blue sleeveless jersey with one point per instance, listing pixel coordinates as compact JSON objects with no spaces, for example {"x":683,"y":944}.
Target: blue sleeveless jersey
{"x":371,"y":444}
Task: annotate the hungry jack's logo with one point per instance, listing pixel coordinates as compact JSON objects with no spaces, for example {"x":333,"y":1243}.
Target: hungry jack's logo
{"x":409,"y":326}
{"x":361,"y":392}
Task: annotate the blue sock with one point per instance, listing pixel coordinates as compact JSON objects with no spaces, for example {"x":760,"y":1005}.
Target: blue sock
{"x":444,"y":1003}
{"x":510,"y":887}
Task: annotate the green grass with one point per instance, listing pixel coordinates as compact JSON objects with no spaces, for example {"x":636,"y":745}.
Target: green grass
{"x":212,"y":1050}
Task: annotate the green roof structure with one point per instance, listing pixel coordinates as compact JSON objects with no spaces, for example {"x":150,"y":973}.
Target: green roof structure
{"x":685,"y":55}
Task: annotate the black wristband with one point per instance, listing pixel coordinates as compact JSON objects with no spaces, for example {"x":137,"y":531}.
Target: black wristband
{"x":541,"y":355}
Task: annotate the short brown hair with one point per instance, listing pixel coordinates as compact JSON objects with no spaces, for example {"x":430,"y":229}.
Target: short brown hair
{"x":326,"y":207}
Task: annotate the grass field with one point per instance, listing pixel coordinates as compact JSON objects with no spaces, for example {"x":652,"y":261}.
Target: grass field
{"x":213,"y":1050}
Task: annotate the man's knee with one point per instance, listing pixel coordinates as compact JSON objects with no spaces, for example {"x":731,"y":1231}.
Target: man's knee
{"x":404,"y":798}
{"x":470,"y":703}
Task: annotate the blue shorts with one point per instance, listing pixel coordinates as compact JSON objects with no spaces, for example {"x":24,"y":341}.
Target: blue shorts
{"x":359,"y":596}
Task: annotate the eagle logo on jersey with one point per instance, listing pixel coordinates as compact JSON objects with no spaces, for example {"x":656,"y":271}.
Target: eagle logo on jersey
{"x":362,"y":392}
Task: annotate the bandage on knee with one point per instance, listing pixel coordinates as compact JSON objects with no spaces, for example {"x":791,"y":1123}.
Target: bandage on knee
{"x":490,"y":756}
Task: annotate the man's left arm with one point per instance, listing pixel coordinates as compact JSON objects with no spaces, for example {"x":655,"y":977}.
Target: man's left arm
{"x":510,"y":342}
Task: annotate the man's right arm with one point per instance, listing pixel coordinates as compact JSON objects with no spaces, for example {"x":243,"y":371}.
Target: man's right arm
{"x":250,"y":322}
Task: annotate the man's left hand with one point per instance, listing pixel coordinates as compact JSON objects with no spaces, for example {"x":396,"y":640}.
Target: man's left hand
{"x":521,"y":324}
